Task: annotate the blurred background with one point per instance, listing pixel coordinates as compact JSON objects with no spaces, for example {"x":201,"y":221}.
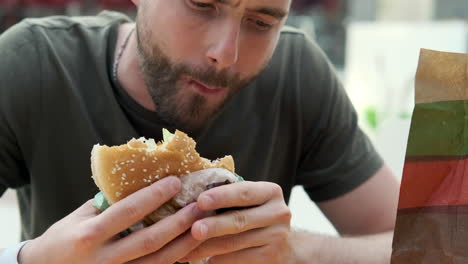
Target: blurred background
{"x":374,"y":45}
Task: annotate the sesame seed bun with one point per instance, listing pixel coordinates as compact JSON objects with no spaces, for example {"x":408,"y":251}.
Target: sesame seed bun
{"x":119,"y":171}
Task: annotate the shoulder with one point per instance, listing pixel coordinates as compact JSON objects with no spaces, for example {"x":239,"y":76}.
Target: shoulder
{"x":33,"y":33}
{"x":298,"y":49}
{"x":298,"y":62}
{"x":103,"y":19}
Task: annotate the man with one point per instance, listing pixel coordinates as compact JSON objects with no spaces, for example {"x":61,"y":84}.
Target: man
{"x":226,"y":72}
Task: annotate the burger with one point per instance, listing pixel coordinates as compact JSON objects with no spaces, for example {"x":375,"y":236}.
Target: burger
{"x":119,"y":171}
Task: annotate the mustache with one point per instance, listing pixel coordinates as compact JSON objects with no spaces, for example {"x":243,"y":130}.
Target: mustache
{"x":169,"y":72}
{"x":212,"y":77}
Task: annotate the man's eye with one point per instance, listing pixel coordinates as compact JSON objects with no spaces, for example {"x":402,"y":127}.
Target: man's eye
{"x":262,"y":25}
{"x":201,"y":5}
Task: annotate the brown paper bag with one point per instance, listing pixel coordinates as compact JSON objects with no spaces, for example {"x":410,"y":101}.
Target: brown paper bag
{"x":432,"y":219}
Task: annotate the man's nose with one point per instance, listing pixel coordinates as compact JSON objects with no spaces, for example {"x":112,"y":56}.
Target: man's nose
{"x":224,"y":49}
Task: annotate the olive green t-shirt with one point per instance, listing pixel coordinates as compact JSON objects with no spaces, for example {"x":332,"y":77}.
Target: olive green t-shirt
{"x":294,"y":125}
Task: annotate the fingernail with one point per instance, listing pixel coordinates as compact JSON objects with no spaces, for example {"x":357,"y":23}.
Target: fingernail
{"x":203,"y":230}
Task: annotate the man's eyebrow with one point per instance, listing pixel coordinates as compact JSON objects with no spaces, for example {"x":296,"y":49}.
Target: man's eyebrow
{"x":270,"y":11}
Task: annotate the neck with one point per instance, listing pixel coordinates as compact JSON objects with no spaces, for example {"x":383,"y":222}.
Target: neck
{"x":128,"y":72}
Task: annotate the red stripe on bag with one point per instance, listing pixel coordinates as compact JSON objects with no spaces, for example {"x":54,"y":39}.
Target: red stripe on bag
{"x":434,"y":183}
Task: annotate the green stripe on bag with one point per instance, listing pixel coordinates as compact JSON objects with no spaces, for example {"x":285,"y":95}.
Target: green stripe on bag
{"x":439,"y":129}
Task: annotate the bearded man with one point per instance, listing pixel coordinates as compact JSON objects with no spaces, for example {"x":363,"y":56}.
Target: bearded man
{"x":232,"y":76}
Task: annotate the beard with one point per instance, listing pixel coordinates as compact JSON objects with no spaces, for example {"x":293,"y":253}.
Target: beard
{"x":177,"y":106}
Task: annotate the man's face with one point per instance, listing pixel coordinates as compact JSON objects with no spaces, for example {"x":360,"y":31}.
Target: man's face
{"x":196,"y":54}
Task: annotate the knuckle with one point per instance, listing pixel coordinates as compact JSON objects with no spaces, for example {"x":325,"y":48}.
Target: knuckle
{"x":149,"y":244}
{"x":158,"y":192}
{"x":85,"y":238}
{"x":276,"y":190}
{"x":131,"y":211}
{"x":181,"y":224}
{"x":245,"y":195}
{"x":285,"y":214}
{"x":240,"y":220}
{"x":231,"y":244}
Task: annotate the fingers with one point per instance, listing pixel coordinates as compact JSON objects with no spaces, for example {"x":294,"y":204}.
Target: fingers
{"x":240,"y":194}
{"x":153,"y":238}
{"x":238,"y":221}
{"x":250,"y":255}
{"x":172,"y":252}
{"x":136,"y":206}
{"x":231,"y":243}
{"x":87,"y":210}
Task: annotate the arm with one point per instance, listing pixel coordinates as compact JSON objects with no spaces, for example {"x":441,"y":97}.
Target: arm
{"x":367,"y":238}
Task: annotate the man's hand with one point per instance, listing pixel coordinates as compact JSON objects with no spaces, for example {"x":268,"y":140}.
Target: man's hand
{"x":258,"y":234}
{"x":88,"y":236}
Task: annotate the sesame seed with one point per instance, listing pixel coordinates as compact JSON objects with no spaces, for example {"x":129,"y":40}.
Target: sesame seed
{"x":122,"y":163}
{"x":124,"y":175}
{"x":132,"y":161}
{"x":187,"y":171}
{"x":144,"y":158}
{"x":145,"y":170}
{"x":167,"y":170}
{"x":132,"y":169}
{"x":128,"y":161}
{"x":126,"y":183}
{"x":133,"y":155}
{"x":113,"y":184}
{"x":186,"y":166}
{"x":154,"y":161}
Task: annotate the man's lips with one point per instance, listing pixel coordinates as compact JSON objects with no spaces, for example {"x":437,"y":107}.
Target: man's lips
{"x":205,"y":89}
